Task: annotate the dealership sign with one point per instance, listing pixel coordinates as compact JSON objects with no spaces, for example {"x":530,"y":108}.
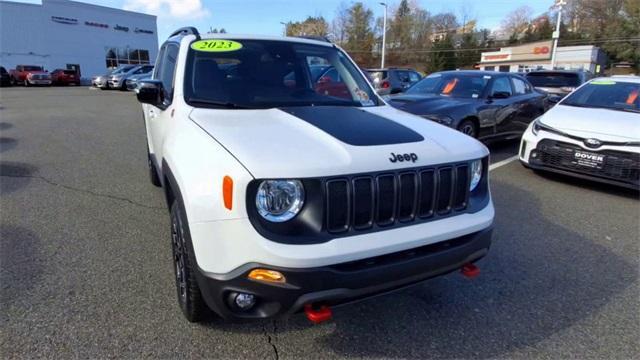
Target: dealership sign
{"x":143,"y":31}
{"x":121,"y":28}
{"x":96,"y":24}
{"x":64,"y":20}
{"x":540,"y":50}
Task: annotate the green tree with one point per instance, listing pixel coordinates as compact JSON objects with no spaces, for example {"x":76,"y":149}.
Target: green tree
{"x":443,"y":55}
{"x":359,"y":33}
{"x":311,"y":26}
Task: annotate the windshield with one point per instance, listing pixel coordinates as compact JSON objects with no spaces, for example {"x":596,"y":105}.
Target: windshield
{"x":554,"y":79}
{"x":606,"y":94}
{"x":266,"y":73}
{"x":121,"y":70}
{"x":456,"y":85}
{"x":32,"y":68}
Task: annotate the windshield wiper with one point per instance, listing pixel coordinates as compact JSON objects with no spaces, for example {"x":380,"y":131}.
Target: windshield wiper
{"x":224,"y":104}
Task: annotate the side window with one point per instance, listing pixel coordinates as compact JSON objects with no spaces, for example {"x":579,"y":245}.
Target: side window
{"x":501,"y":85}
{"x":168,"y":69}
{"x":519,"y":86}
{"x":158,"y":67}
{"x":414,"y":77}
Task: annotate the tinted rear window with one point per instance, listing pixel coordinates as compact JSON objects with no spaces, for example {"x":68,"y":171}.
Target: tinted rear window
{"x":554,"y":79}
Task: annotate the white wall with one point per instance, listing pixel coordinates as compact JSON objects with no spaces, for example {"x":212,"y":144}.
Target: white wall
{"x":29,"y":36}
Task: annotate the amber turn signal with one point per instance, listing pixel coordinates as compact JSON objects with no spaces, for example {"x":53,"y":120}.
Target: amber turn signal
{"x":267,"y":276}
{"x":227,"y":192}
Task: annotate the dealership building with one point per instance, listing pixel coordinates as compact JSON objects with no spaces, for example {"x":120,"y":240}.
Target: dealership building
{"x":536,"y":56}
{"x":64,"y":34}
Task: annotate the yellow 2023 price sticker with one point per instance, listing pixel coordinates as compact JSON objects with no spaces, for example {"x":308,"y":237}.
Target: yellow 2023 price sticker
{"x":216,"y":45}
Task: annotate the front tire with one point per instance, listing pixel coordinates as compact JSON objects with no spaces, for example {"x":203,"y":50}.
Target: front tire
{"x":189,"y":296}
{"x":467,"y":127}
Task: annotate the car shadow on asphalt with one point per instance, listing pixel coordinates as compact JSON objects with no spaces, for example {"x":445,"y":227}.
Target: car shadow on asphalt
{"x":15,"y":175}
{"x":532,"y":286}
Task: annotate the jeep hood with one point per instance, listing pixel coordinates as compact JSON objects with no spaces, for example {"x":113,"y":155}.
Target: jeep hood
{"x":602,"y":124}
{"x":326,"y":141}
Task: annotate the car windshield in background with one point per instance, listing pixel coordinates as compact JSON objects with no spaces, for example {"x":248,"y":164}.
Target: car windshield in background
{"x":606,"y":94}
{"x":266,"y":73}
{"x":32,"y":68}
{"x":545,"y":79}
{"x":452,"y":85}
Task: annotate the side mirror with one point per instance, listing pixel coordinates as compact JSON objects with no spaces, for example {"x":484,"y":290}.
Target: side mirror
{"x":150,"y":92}
{"x":500,"y":95}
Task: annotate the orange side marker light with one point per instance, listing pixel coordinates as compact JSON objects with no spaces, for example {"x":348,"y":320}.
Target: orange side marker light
{"x":227,"y":192}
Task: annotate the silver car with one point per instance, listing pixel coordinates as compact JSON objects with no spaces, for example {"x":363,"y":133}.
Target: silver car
{"x":118,"y":81}
{"x":102,"y":81}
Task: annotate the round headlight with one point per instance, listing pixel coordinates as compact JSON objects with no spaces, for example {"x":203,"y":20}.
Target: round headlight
{"x":476,"y":174}
{"x":279,"y":200}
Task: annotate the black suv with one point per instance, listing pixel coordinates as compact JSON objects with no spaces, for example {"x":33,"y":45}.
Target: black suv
{"x":557,"y":82}
{"x":393,"y":80}
{"x":5,"y":79}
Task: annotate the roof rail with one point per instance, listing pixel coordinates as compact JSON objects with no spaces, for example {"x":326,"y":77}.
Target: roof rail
{"x":188,"y":30}
{"x":314,"y":37}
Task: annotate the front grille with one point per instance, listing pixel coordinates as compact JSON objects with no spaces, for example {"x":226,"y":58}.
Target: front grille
{"x":618,"y":165}
{"x":382,"y":200}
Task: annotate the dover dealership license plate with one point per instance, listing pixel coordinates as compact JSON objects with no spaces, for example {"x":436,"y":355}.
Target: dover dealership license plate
{"x":588,"y":159}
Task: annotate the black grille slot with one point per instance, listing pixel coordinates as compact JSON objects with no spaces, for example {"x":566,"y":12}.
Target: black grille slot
{"x":337,"y":206}
{"x":445,"y":190}
{"x":462,"y":184}
{"x":427,"y":193}
{"x":386,"y":196}
{"x":363,"y":204}
{"x":407,"y":197}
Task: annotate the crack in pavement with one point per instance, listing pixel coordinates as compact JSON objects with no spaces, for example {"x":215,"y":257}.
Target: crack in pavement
{"x":270,"y":339}
{"x":84,"y":191}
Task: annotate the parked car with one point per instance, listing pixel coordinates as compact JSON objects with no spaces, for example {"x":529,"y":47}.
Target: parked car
{"x":65,"y":77}
{"x":132,"y":81}
{"x":482,"y":104}
{"x":101,"y":81}
{"x":5,"y":78}
{"x":118,"y":80}
{"x":284,"y":198}
{"x":557,"y":82}
{"x":592,"y":133}
{"x":30,"y":75}
{"x":393,"y":80}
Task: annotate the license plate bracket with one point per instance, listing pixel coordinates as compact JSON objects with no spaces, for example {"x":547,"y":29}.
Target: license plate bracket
{"x":588,"y":159}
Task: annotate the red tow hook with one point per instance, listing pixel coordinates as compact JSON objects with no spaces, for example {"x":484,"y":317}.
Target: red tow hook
{"x":319,"y":315}
{"x":470,"y":270}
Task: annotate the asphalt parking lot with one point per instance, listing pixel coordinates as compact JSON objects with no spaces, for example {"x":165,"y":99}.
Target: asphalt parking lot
{"x":85,"y":260}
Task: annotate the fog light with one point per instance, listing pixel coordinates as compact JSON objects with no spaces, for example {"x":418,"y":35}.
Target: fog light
{"x":245,"y":301}
{"x":534,"y":154}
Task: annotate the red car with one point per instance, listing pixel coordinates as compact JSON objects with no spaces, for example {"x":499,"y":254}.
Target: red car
{"x":65,"y":77}
{"x":30,"y":75}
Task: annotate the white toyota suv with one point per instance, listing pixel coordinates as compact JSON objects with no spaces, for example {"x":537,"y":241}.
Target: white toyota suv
{"x":292,"y":191}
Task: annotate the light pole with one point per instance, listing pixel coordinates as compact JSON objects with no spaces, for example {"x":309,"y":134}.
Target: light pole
{"x":384,"y":34}
{"x":284,"y":32}
{"x":556,"y":34}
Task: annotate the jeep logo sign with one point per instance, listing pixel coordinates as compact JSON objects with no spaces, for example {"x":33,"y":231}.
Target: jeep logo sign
{"x":403,"y":157}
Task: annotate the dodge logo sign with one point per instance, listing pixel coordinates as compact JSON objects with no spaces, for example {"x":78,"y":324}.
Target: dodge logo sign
{"x":592,"y":143}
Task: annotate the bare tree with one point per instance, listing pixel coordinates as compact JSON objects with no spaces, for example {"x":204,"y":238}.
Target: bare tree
{"x":517,"y":21}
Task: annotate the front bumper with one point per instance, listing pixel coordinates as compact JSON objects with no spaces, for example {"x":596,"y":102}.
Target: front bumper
{"x":115,"y":83}
{"x":341,"y":283}
{"x":39,"y":82}
{"x":619,"y":169}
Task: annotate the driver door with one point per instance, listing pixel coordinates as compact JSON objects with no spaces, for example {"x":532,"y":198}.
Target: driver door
{"x":498,"y":111}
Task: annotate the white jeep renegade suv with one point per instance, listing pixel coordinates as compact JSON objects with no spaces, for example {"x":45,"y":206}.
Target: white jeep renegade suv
{"x":293,"y":187}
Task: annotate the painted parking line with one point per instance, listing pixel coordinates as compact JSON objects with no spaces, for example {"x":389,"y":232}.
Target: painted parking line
{"x":502,"y":163}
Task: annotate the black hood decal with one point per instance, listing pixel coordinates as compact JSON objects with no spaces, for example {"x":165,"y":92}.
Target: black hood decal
{"x":355,"y":126}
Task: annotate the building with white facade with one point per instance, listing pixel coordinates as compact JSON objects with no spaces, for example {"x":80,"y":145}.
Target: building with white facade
{"x":64,"y":34}
{"x":536,"y":56}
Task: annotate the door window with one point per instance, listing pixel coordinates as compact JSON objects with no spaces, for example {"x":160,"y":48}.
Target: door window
{"x":519,"y":86}
{"x":167,"y":70}
{"x":501,"y":85}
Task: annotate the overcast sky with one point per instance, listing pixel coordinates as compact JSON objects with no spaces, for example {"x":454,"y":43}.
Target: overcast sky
{"x":264,"y":16}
